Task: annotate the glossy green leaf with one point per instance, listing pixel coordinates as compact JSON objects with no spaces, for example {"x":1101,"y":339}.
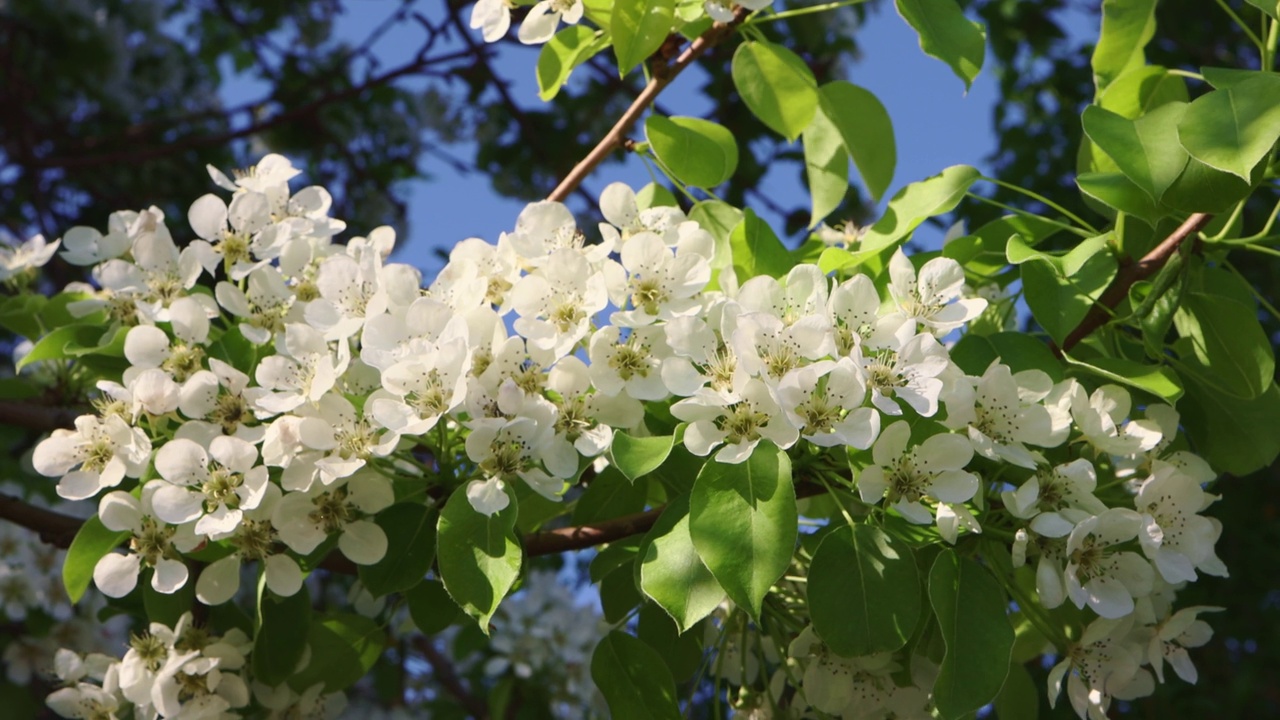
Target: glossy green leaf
{"x":1021,"y":351}
{"x":1235,"y":436}
{"x":776,"y":85}
{"x":281,"y":640}
{"x":757,"y":249}
{"x":1159,"y":380}
{"x":946,"y":34}
{"x":1146,"y":150}
{"x":682,"y":651}
{"x":166,"y":608}
{"x":609,"y":495}
{"x":1226,"y":337}
{"x":864,"y":591}
{"x":826,"y":166}
{"x":1140,"y":90}
{"x":636,"y":457}
{"x":91,"y":542}
{"x":1127,"y":27}
{"x":1270,"y":7}
{"x":430,"y":606}
{"x":654,"y":195}
{"x":970,"y":606}
{"x":59,"y":344}
{"x":638,"y":29}
{"x":1221,"y":78}
{"x":344,"y":647}
{"x":866,"y":130}
{"x":619,"y":594}
{"x":1060,"y":290}
{"x":570,"y":47}
{"x":744,"y":524}
{"x":1201,"y":188}
{"x":634,"y":680}
{"x":911,"y":206}
{"x":1115,"y":191}
{"x":21,"y":314}
{"x":411,"y":548}
{"x":698,"y":152}
{"x":1233,"y":129}
{"x":672,"y":574}
{"x":479,"y":556}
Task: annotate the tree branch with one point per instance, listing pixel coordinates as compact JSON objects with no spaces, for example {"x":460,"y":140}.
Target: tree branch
{"x":37,"y":417}
{"x":662,"y":77}
{"x":1129,"y":274}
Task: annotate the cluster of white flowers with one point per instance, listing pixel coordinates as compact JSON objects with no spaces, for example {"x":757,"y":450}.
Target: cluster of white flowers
{"x":493,"y":17}
{"x":264,"y":418}
{"x":181,"y":671}
{"x":544,"y":634}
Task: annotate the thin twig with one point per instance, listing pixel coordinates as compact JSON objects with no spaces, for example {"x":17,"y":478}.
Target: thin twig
{"x":616,"y":136}
{"x":1118,"y":290}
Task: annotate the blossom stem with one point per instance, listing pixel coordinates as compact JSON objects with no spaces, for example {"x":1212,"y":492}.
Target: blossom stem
{"x":616,"y":137}
{"x":797,"y":12}
{"x":1043,"y":200}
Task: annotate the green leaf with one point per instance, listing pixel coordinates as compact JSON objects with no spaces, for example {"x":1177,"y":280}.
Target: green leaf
{"x":718,"y":218}
{"x":946,"y":34}
{"x":1146,"y":150}
{"x":1221,"y":78}
{"x":619,"y":594}
{"x":970,"y":606}
{"x":634,"y":680}
{"x":479,"y":556}
{"x":281,"y":640}
{"x":918,"y":202}
{"x":344,"y":647}
{"x":826,"y":166}
{"x":1060,"y":290}
{"x":655,"y":195}
{"x":636,"y":457}
{"x":430,"y":607}
{"x":743,"y":522}
{"x":411,"y":547}
{"x":1226,"y":337}
{"x":1236,"y":436}
{"x":1201,"y":188}
{"x":1115,"y":191}
{"x":1142,"y":89}
{"x":672,"y":574}
{"x":1019,"y":699}
{"x":1159,"y":380}
{"x":21,"y":315}
{"x":1021,"y":351}
{"x":638,"y":28}
{"x":1270,"y":7}
{"x":56,"y":345}
{"x":1127,"y":27}
{"x":1234,"y":129}
{"x":864,"y":591}
{"x":757,"y":249}
{"x":682,"y":651}
{"x":698,"y":152}
{"x":91,"y":542}
{"x":609,"y":495}
{"x":865,"y":129}
{"x":569,"y":48}
{"x":776,"y":85}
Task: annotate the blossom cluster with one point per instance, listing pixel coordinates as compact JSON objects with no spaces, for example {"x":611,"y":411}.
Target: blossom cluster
{"x":493,"y":17}
{"x":262,"y":418}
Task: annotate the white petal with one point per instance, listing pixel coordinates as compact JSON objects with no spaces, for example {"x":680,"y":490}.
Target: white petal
{"x":284,"y":577}
{"x":169,"y":577}
{"x":219,"y":581}
{"x":363,"y":542}
{"x":116,"y":575}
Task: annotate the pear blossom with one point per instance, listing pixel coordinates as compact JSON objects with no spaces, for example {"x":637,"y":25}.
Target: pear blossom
{"x":350,"y":292}
{"x":1174,"y":536}
{"x":1101,"y":417}
{"x":303,"y":370}
{"x":540,"y":24}
{"x":221,"y":397}
{"x":631,"y":365}
{"x":1002,"y":415}
{"x":211,"y":487}
{"x":933,"y":298}
{"x":504,"y":449}
{"x":624,"y":218}
{"x":1098,"y":667}
{"x":701,"y":356}
{"x":824,"y":401}
{"x":263,"y":309}
{"x":586,"y":421}
{"x":1100,"y":574}
{"x":1171,"y":638}
{"x":228,"y":231}
{"x":555,"y":306}
{"x":35,"y":252}
{"x":305,"y":519}
{"x":738,"y":421}
{"x":908,"y":372}
{"x":408,"y":333}
{"x":420,"y":390}
{"x":98,"y":454}
{"x":154,"y":545}
{"x":345,"y":436}
{"x":492,"y":17}
{"x":1056,"y":500}
{"x":254,"y":539}
{"x":769,"y":348}
{"x":908,"y":475}
{"x":661,"y":284}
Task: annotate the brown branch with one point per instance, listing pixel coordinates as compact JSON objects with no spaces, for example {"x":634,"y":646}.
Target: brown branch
{"x":1129,"y":274}
{"x":662,"y":77}
{"x":52,"y":527}
{"x":447,"y":676}
{"x":36,"y":417}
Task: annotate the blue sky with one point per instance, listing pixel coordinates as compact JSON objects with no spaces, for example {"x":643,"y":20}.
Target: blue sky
{"x":936,"y":124}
